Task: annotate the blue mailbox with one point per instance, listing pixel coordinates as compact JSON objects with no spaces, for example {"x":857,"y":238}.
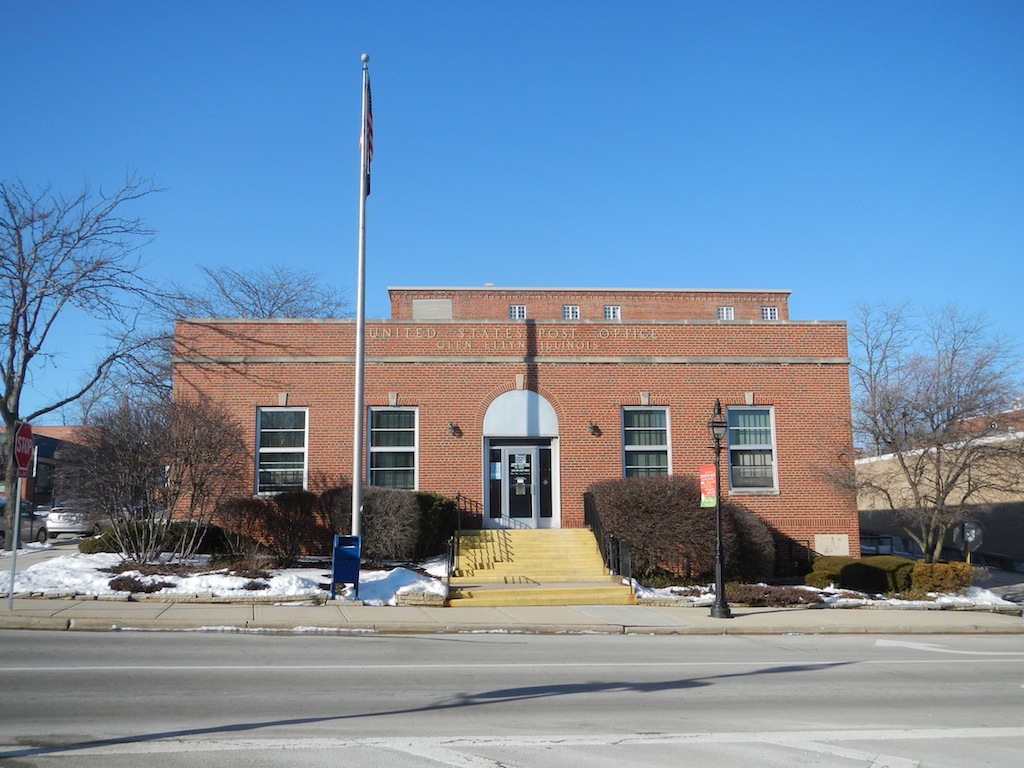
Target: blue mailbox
{"x":345,"y":563}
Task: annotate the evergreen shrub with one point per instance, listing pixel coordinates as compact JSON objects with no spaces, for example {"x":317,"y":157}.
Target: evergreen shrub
{"x":942,"y":577}
{"x":879,"y":574}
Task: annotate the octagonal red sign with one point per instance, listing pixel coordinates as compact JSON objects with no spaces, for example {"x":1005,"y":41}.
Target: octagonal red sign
{"x":23,"y":448}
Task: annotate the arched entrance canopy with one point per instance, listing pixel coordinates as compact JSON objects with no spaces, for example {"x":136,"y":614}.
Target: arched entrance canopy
{"x":520,"y":438}
{"x":520,"y":413}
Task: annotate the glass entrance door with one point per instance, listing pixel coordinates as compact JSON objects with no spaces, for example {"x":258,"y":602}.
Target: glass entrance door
{"x":520,"y":491}
{"x":519,"y":495}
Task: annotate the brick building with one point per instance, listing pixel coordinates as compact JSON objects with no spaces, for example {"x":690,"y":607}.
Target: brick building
{"x":519,"y":399}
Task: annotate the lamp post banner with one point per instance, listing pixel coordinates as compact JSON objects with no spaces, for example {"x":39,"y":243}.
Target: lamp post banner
{"x":708,"y":486}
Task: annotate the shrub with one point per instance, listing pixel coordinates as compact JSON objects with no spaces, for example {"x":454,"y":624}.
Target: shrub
{"x":942,"y":577}
{"x":391,"y":524}
{"x":293,"y":523}
{"x":395,"y":525}
{"x":437,"y":523}
{"x":105,"y":542}
{"x":210,"y":539}
{"x":883,"y":573}
{"x":134,"y":584}
{"x":761,"y":594}
{"x":662,"y":519}
{"x":242,"y":520}
{"x":755,"y":556}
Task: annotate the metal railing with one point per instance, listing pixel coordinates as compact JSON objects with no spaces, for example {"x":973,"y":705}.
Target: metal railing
{"x":616,"y":552}
{"x":464,"y":507}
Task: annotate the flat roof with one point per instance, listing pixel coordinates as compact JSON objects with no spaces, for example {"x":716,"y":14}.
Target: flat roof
{"x":586,"y":290}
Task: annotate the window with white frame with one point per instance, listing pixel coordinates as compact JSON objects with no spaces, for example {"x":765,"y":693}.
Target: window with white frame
{"x":611,"y":312}
{"x":769,"y":313}
{"x":726,"y":313}
{"x":571,"y":312}
{"x":281,"y":449}
{"x":393,"y":448}
{"x":645,"y":441}
{"x":751,"y":441}
{"x":516,"y":311}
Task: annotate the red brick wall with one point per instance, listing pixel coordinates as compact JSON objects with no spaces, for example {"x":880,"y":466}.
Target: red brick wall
{"x":635,"y":306}
{"x":587,"y":371}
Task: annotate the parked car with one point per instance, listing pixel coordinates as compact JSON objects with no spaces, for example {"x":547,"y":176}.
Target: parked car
{"x":33,"y":526}
{"x":79,"y":518}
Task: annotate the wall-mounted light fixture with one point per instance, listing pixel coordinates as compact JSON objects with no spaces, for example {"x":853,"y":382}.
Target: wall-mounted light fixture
{"x":593,"y":429}
{"x":453,"y":429}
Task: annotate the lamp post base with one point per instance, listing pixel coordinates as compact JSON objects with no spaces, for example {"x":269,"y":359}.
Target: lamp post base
{"x":720,"y":611}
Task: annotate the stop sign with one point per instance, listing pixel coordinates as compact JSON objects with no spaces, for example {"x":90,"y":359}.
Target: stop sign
{"x":23,"y":448}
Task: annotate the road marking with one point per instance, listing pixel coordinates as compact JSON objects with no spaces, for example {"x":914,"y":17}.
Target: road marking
{"x":936,"y":648}
{"x":454,"y":751}
{"x":999,"y":657}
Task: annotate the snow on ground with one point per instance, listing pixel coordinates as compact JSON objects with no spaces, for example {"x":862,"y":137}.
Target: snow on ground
{"x":89,"y":575}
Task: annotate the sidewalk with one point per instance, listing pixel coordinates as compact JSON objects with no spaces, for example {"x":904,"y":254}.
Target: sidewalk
{"x":347,"y":617}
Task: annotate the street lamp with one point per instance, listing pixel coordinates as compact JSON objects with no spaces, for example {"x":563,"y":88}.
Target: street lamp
{"x":718,"y":426}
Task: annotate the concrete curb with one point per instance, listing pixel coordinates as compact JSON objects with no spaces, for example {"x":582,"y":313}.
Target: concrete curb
{"x":348,"y":617}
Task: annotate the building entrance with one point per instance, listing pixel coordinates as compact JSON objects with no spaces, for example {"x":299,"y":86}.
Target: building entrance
{"x":520,"y":453}
{"x":519,"y":486}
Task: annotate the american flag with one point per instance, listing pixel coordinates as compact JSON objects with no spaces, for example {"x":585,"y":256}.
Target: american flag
{"x":368,"y":133}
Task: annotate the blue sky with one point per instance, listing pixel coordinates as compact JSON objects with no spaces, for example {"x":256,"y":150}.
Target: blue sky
{"x":851,"y":152}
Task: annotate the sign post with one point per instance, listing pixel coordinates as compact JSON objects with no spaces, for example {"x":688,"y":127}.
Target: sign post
{"x":22,"y":457}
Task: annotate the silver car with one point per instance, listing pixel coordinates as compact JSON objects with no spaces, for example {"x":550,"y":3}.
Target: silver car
{"x":33,"y":526}
{"x":76,"y":518}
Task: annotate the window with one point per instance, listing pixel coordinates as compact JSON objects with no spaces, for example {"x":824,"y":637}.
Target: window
{"x":281,"y":450}
{"x":571,"y":312}
{"x":645,"y":441}
{"x":44,"y":477}
{"x":726,"y":313}
{"x":611,"y":312}
{"x":517,"y":312}
{"x":751,"y":449}
{"x":769,"y":313}
{"x":393,"y":448}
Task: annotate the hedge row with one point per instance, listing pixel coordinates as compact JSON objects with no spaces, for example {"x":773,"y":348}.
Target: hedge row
{"x":888,"y":574}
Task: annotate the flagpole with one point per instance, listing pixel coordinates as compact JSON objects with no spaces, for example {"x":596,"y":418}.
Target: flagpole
{"x":365,"y":148}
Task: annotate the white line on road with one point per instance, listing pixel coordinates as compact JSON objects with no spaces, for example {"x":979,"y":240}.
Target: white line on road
{"x":1003,"y":657}
{"x":452,"y":751}
{"x":936,"y":648}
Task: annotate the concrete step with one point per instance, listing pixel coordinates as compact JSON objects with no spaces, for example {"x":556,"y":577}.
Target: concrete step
{"x":536,"y":576}
{"x":534,"y":567}
{"x":606,"y":593}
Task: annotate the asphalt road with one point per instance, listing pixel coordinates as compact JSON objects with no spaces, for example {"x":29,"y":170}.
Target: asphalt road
{"x":483,"y":701}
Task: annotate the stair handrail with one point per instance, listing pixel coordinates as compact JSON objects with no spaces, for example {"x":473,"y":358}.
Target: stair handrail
{"x":616,"y":552}
{"x":455,"y":541}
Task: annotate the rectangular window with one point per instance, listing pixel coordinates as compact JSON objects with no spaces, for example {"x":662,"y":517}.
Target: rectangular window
{"x":751,"y":449}
{"x":281,"y":450}
{"x":645,"y":441}
{"x":769,"y":313}
{"x":571,"y":312}
{"x":517,"y":312}
{"x":611,"y":312}
{"x":726,"y":313}
{"x":393,"y":448}
{"x":44,"y":477}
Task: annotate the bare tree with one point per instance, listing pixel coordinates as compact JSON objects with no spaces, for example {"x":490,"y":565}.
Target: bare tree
{"x":157,"y":466}
{"x":924,"y":394}
{"x":59,"y":254}
{"x":270,"y":292}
